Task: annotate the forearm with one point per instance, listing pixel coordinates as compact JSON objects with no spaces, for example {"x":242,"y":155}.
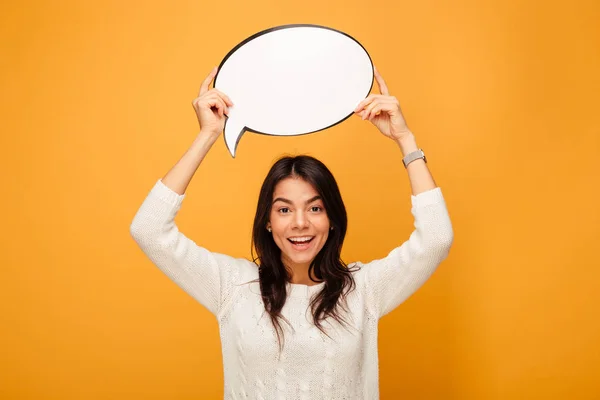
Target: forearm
{"x":179,"y":177}
{"x":419,"y":176}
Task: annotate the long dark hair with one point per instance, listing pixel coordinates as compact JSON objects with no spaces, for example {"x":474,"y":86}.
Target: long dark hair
{"x":328,"y":266}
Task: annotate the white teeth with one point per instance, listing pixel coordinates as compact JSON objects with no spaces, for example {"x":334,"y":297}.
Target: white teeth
{"x":301,"y":239}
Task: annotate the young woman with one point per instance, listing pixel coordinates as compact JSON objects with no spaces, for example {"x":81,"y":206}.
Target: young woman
{"x":297,"y":323}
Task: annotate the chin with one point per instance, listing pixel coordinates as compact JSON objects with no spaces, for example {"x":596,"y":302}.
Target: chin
{"x":303,"y":260}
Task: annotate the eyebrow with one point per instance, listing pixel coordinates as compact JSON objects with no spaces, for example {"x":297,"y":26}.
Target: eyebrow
{"x":290,"y":202}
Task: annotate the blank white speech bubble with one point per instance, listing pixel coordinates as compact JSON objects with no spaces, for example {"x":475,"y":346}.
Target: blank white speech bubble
{"x":292,"y":80}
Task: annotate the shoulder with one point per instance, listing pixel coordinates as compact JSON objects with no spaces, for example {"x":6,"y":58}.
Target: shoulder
{"x":238,"y":268}
{"x":358,"y":271}
{"x":237,"y":278}
{"x":362,"y":272}
{"x":248,"y":270}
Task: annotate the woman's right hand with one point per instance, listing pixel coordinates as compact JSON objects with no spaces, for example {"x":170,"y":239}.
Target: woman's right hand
{"x":211,"y":107}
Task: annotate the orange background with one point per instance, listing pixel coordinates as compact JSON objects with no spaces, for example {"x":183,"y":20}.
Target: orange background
{"x":96,"y":106}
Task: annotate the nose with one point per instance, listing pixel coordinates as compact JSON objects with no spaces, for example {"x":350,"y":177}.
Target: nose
{"x":301,"y":220}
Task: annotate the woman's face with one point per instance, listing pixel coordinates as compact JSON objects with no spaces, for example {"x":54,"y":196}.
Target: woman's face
{"x":298,"y":221}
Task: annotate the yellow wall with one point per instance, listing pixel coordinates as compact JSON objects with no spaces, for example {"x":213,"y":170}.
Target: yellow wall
{"x":96,"y":106}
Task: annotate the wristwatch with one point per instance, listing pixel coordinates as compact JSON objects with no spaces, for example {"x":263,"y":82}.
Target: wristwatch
{"x":415,"y":155}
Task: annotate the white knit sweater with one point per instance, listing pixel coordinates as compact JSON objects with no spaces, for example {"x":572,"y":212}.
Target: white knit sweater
{"x":311,"y":366}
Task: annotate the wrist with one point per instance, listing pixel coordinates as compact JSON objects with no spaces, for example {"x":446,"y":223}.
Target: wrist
{"x":207,"y":136}
{"x":205,"y":140}
{"x":407,"y":143}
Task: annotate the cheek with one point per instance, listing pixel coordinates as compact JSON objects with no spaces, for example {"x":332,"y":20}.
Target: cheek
{"x":322,"y":224}
{"x":322,"y":228}
{"x":278,"y":224}
{"x":279,"y":227}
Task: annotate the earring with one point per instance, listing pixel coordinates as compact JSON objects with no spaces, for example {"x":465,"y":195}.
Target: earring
{"x":331,"y":228}
{"x":269,"y":229}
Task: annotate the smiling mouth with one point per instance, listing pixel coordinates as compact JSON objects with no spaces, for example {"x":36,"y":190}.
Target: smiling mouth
{"x":301,"y":242}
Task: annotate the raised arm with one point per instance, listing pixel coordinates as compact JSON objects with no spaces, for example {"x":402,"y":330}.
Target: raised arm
{"x":200,"y":273}
{"x":211,"y":106}
{"x":393,"y":279}
{"x":384,"y":112}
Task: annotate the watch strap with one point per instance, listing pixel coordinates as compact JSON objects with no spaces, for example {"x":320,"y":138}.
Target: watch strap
{"x":412,"y":156}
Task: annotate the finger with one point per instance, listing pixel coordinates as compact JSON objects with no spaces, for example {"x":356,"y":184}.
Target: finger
{"x":224,"y":97}
{"x":222,"y":107}
{"x":369,"y":111}
{"x":365,"y":102}
{"x":375,"y":111}
{"x":379,"y":107}
{"x":372,"y":100}
{"x":379,"y":100}
{"x":370,"y":107}
{"x":216,"y":102}
{"x":207,"y":81}
{"x":209,"y":100}
{"x":381,"y":83}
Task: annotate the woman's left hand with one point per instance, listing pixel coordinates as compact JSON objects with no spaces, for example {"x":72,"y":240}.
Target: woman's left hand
{"x":384,"y":112}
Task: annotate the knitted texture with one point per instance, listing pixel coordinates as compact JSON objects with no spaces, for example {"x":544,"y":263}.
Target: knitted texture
{"x":312,"y":365}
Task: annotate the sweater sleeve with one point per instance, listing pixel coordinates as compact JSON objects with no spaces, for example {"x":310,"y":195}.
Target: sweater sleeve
{"x":391,"y":280}
{"x":202,"y":274}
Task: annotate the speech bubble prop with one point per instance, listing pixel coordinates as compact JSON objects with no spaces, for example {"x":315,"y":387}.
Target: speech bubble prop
{"x":292,"y":80}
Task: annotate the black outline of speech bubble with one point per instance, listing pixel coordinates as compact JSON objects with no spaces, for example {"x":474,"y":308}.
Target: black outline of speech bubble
{"x":276,"y":28}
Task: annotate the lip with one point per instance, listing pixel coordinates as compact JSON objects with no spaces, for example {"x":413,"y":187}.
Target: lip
{"x":303,"y":246}
{"x":303,"y":236}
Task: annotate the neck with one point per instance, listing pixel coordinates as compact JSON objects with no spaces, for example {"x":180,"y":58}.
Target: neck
{"x":299,"y":273}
